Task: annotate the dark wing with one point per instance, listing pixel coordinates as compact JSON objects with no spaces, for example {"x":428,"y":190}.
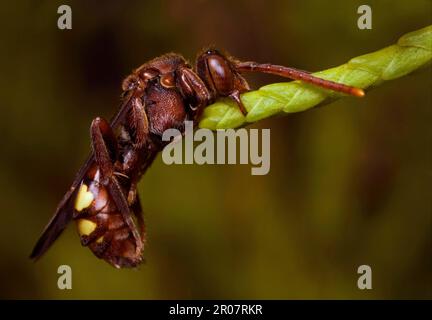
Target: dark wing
{"x":64,"y":211}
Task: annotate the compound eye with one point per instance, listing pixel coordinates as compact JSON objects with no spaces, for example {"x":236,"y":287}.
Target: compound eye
{"x":218,"y":67}
{"x":221,"y":74}
{"x":130,"y":83}
{"x":167,"y":80}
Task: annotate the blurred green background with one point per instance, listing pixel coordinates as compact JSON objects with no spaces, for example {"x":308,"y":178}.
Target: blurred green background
{"x":350,"y":183}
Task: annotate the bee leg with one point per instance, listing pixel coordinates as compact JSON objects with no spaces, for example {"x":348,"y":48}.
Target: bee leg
{"x":105,"y":147}
{"x":193,"y":88}
{"x":105,"y":151}
{"x":94,"y":236}
{"x":236,"y":97}
{"x":132,"y":194}
{"x":137,"y":210}
{"x":139,"y":122}
{"x":133,"y":177}
{"x":102,"y":244}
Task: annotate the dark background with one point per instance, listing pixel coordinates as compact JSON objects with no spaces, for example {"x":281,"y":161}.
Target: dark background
{"x":350,"y":183}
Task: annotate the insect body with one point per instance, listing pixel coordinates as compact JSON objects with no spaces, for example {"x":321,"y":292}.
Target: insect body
{"x":159,"y":95}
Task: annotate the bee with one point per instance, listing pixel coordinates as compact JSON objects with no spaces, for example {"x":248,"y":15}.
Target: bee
{"x":159,"y":95}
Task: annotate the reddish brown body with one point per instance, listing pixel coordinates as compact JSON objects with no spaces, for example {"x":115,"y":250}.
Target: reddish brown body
{"x":159,"y":95}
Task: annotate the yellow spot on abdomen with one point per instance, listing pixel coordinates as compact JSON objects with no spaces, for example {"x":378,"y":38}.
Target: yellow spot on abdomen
{"x":84,"y":198}
{"x":100,"y":239}
{"x":85,"y":227}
